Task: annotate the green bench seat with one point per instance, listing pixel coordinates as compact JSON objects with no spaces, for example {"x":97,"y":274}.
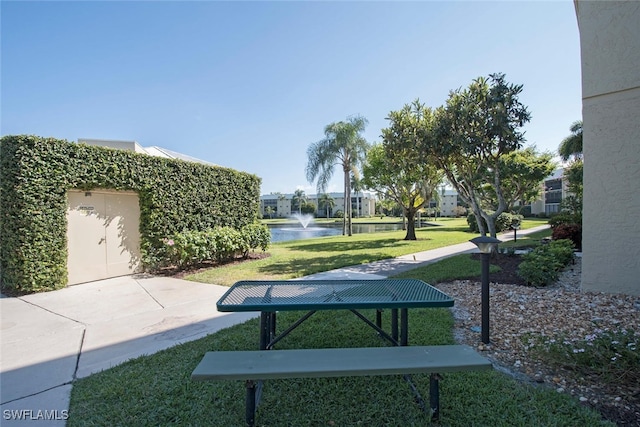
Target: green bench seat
{"x":254,"y":366}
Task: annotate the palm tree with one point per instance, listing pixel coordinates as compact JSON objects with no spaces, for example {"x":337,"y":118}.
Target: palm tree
{"x":269,"y":211}
{"x":342,"y":145}
{"x":298,"y":199}
{"x":356,"y":185}
{"x":326,"y":201}
{"x":571,"y":146}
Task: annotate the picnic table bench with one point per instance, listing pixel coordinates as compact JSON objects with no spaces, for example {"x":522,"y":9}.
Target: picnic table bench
{"x":268,"y":297}
{"x":252,"y":366}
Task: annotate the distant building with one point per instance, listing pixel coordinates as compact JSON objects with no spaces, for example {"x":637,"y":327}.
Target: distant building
{"x":446,"y":204}
{"x":554,"y":190}
{"x":363,"y":204}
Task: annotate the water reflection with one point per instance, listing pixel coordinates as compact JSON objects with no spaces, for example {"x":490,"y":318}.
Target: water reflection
{"x":283,"y":233}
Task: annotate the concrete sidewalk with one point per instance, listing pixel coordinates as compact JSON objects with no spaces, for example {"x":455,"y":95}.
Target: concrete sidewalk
{"x":50,"y":339}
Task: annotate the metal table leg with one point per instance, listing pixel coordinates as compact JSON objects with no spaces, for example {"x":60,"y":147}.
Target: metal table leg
{"x":265,"y":325}
{"x":404,"y":326}
{"x":394,"y":323}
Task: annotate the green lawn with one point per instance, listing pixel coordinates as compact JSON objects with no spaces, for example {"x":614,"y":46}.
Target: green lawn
{"x":156,"y":390}
{"x":300,"y":258}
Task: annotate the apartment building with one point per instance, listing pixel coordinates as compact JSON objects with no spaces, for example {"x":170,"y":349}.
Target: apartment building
{"x":363,"y":204}
{"x":553,"y":190}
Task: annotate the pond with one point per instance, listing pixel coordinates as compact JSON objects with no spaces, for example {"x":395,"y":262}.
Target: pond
{"x":283,"y":233}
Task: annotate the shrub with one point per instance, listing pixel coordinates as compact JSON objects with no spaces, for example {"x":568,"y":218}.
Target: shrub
{"x":190,"y":248}
{"x":562,"y":251}
{"x":564,"y":218}
{"x":571,"y":232}
{"x":257,"y":236}
{"x":228,"y":243}
{"x":537,"y":270}
{"x":187,"y":248}
{"x":503,"y":222}
{"x":541,"y":266}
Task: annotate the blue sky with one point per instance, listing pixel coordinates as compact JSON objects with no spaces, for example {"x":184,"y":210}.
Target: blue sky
{"x":250,"y":85}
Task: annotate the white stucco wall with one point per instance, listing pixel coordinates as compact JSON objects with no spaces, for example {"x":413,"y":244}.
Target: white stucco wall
{"x":610,"y":46}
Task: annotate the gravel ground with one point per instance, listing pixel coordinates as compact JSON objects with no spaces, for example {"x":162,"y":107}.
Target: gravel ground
{"x":519,"y":311}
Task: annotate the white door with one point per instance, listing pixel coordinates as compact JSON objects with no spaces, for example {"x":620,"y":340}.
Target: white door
{"x":102,"y":234}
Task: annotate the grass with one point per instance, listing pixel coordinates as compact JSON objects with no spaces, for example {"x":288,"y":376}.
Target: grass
{"x":300,"y":258}
{"x":157,"y":390}
{"x":463,"y":266}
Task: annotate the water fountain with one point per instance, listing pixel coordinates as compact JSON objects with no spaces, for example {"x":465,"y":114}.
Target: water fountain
{"x":303,"y":219}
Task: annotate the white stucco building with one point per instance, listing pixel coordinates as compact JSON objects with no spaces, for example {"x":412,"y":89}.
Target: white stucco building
{"x":610,"y":48}
{"x":363,"y":204}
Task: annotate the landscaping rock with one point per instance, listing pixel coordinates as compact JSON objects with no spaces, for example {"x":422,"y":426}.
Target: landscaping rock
{"x":519,"y":312}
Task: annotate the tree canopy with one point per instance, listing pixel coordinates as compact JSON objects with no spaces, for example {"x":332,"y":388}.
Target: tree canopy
{"x":474,"y":129}
{"x":398,"y":168}
{"x":571,"y":150}
{"x":522,"y":171}
{"x":571,"y":146}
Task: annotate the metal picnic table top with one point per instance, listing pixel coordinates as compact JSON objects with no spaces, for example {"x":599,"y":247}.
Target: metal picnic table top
{"x":284,"y":295}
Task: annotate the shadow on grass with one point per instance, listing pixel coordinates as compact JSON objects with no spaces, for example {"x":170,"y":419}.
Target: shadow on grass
{"x":357,"y":245}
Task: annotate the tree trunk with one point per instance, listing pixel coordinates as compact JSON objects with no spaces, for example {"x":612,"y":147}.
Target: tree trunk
{"x":491,"y":225}
{"x":404,"y":219}
{"x":346,"y":224}
{"x":411,"y":225}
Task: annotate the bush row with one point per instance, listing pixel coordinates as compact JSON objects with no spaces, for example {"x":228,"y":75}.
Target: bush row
{"x":220,"y":244}
{"x":542,"y":266}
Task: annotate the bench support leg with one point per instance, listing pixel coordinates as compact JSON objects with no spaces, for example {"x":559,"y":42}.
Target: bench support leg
{"x":434,"y":396}
{"x":250,"y":403}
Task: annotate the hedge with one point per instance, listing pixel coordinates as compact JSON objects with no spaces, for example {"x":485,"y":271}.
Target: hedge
{"x":220,"y":244}
{"x":174,"y":195}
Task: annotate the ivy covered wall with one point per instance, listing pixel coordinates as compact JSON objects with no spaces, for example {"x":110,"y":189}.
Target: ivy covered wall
{"x":175,"y":195}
